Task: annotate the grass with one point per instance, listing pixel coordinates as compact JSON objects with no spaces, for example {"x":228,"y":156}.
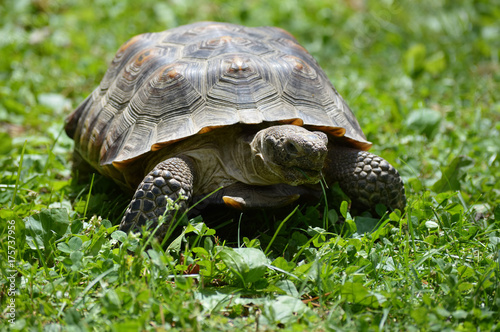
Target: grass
{"x":423,"y":80}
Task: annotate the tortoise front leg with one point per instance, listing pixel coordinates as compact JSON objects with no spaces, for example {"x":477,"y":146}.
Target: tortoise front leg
{"x":365,"y":178}
{"x":171,"y":179}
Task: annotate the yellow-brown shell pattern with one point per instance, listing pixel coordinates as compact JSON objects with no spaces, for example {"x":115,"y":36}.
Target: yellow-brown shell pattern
{"x":167,"y":86}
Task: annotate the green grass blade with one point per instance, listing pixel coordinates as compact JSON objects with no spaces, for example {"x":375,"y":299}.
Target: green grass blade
{"x":278,"y":230}
{"x":18,"y":177}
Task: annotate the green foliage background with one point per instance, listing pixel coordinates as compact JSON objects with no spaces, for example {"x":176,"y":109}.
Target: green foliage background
{"x":421,"y":76}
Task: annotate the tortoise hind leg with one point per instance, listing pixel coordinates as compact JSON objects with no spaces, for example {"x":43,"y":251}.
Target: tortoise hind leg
{"x":81,"y":169}
{"x":171,"y":179}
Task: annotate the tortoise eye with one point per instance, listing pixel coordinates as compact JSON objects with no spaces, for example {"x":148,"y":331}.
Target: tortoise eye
{"x":291,"y":148}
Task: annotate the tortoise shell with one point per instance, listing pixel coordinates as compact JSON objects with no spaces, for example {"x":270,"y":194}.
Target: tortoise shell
{"x":167,"y":86}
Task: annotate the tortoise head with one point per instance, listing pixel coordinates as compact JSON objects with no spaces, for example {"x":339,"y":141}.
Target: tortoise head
{"x":290,"y":154}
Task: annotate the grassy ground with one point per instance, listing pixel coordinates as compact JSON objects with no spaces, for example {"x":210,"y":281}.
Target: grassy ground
{"x":423,"y":81}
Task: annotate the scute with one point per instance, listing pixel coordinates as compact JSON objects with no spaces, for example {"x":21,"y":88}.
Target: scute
{"x":164,"y":87}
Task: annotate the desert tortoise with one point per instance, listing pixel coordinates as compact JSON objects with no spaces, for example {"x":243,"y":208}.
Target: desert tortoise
{"x":184,"y":112}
